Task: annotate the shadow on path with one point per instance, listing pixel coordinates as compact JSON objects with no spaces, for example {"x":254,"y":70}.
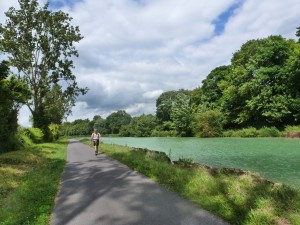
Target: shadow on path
{"x":99,"y":190}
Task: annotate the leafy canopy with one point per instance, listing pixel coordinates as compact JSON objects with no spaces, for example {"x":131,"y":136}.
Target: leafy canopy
{"x":40,"y":45}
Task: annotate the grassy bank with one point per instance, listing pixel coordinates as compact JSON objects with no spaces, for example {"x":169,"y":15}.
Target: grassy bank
{"x":28,"y":183}
{"x":239,"y":198}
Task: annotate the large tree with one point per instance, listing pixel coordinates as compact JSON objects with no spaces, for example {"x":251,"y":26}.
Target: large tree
{"x":211,"y":89}
{"x":40,"y":45}
{"x":116,"y":120}
{"x":263,"y":86}
{"x":164,"y":104}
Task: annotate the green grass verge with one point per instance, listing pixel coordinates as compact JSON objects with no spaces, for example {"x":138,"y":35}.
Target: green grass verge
{"x":238,"y":199}
{"x":29,"y":182}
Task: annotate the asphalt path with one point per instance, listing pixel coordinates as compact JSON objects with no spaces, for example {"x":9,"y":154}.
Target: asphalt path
{"x":97,"y":190}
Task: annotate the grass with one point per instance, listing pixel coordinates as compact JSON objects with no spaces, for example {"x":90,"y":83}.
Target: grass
{"x":29,"y":182}
{"x":239,"y":198}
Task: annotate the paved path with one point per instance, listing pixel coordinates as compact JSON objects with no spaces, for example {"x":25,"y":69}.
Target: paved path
{"x":97,"y":190}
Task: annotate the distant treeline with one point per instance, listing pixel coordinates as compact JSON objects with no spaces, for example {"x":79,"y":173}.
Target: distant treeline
{"x":258,"y":92}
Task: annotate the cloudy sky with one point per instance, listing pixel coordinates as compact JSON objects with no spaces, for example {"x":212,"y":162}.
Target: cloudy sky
{"x":133,"y":50}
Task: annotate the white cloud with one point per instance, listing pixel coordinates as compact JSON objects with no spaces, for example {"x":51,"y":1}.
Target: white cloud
{"x":134,"y":50}
{"x":153,"y":94}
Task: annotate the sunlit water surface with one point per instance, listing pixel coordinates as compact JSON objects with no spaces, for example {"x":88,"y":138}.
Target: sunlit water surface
{"x":277,"y":159}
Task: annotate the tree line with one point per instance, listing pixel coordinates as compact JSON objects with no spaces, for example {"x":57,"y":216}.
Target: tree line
{"x":260,"y":89}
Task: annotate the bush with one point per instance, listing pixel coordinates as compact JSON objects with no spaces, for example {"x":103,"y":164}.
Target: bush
{"x":34,"y":134}
{"x":246,"y":132}
{"x":208,"y":123}
{"x":163,"y":133}
{"x":24,"y":138}
{"x":269,"y":132}
{"x":249,"y":132}
{"x":292,"y":129}
{"x":54,"y":132}
{"x":253,"y":132}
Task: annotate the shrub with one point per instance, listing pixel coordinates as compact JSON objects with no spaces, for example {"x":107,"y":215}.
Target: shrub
{"x":23,"y":137}
{"x":269,"y":132}
{"x":163,"y":133}
{"x":35,"y":134}
{"x":292,"y":129}
{"x":253,"y":132}
{"x":54,"y":132}
{"x":185,"y":162}
{"x":228,"y":133}
{"x":249,"y":132}
{"x":208,"y":123}
{"x":245,"y":132}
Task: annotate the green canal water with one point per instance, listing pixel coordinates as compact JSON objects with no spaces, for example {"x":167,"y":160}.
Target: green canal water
{"x":276,"y":159}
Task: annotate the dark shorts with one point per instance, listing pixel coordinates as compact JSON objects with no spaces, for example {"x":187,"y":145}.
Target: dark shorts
{"x":96,"y":142}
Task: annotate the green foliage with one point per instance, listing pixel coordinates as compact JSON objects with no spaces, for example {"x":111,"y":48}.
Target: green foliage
{"x":57,"y":105}
{"x":116,"y":120}
{"x":253,"y":132}
{"x":13,"y":93}
{"x":76,"y":128}
{"x":181,"y":114}
{"x":34,"y":134}
{"x":292,"y":129}
{"x":163,"y":133}
{"x":185,"y":162}
{"x":211,"y":88}
{"x":24,"y":138}
{"x":40,"y":45}
{"x":258,"y":91}
{"x":54,"y":131}
{"x":269,"y":132}
{"x":208,"y":123}
{"x":196,"y":98}
{"x":245,"y":132}
{"x":141,"y":126}
{"x":164,"y":104}
{"x":99,"y":124}
{"x":29,"y":182}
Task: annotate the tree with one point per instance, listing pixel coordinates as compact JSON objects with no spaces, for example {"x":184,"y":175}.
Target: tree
{"x":164,"y":104}
{"x":57,"y":106}
{"x":211,"y":87}
{"x":40,"y":44}
{"x":196,"y":97}
{"x":261,"y":89}
{"x":141,"y":126}
{"x":144,"y":125}
{"x":182,"y":114}
{"x":116,"y":120}
{"x":13,"y":94}
{"x":100,"y":124}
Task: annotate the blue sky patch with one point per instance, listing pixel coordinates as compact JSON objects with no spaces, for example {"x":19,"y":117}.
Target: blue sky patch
{"x":223,"y":18}
{"x":56,"y":4}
